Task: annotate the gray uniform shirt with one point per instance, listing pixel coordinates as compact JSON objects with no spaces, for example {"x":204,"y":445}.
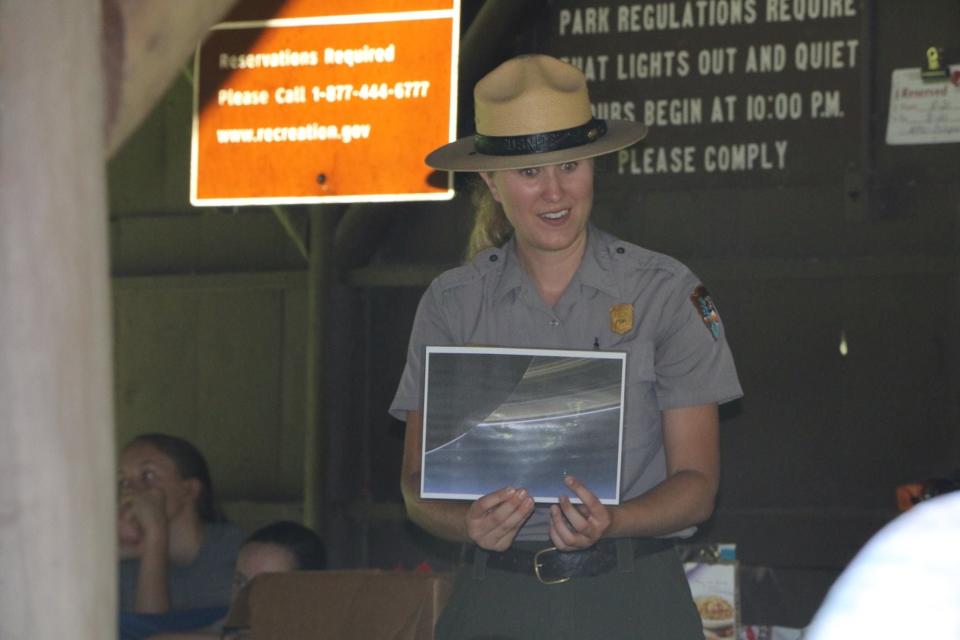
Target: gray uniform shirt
{"x":206,"y":582}
{"x":677,"y":354}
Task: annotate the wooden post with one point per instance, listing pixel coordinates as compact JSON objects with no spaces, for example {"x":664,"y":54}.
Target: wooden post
{"x":57,"y":551}
{"x":315,"y":450}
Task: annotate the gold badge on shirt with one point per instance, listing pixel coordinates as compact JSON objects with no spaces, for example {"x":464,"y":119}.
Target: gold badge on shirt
{"x":621,"y":318}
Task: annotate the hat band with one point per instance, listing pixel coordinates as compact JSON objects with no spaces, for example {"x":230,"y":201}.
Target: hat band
{"x":586,"y":133}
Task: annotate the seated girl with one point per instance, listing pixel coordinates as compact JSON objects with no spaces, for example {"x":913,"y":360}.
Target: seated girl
{"x":177,"y":553}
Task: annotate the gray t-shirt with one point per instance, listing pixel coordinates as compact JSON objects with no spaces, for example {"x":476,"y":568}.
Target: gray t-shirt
{"x":206,"y":582}
{"x":677,"y":354}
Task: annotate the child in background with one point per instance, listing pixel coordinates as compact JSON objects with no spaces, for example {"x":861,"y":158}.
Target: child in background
{"x":278,"y":547}
{"x":177,"y":552}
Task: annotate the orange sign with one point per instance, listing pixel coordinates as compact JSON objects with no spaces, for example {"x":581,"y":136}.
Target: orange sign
{"x":337,"y":108}
{"x":272,"y":9}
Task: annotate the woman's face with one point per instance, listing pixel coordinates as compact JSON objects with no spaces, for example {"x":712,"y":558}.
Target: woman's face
{"x":143,"y":467}
{"x":548,"y":206}
{"x":260,"y":557}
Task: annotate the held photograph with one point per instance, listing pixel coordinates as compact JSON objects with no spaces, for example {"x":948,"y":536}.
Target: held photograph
{"x":496,"y":417}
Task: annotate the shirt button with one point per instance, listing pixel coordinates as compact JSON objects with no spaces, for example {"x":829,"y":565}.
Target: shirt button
{"x":620,"y":250}
{"x":494,"y":258}
{"x":554,"y":323}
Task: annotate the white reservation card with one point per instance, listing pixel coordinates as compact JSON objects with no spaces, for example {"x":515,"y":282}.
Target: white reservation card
{"x":523,"y":418}
{"x":923,"y":112}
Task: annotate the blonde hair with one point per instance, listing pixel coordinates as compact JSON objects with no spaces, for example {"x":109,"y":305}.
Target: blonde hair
{"x":490,"y":225}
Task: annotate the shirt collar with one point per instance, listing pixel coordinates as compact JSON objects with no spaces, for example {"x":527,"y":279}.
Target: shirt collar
{"x":595,"y":269}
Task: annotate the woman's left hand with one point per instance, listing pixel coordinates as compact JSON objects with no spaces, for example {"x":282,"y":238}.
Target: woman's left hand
{"x":575,"y":526}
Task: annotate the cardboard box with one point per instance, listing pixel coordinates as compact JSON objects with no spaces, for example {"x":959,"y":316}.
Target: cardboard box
{"x":347,"y":605}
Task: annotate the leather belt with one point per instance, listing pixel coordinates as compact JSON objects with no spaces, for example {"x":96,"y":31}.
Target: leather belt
{"x":549,"y":565}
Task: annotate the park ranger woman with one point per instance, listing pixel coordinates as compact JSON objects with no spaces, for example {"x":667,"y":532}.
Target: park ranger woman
{"x":541,"y":276}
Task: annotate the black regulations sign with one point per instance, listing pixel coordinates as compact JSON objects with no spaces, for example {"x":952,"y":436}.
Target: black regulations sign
{"x":735,"y":92}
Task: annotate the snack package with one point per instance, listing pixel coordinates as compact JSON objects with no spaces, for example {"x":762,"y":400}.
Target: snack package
{"x":713,"y":584}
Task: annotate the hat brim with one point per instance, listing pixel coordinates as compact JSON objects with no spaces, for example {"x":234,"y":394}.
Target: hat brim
{"x":461,"y":156}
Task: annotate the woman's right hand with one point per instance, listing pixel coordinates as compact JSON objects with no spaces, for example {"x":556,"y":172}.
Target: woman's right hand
{"x":494,"y":519}
{"x":141,"y":521}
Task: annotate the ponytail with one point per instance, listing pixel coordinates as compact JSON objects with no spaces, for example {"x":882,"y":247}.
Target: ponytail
{"x":490,"y":227}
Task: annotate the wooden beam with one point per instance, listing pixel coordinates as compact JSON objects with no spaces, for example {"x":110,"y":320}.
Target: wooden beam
{"x":57,"y":501}
{"x":286,"y":221}
{"x":209,"y":282}
{"x":315,"y":437}
{"x":145,"y":45}
{"x":420,"y":275}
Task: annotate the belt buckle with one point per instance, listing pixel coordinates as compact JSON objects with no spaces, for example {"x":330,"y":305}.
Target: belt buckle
{"x":537,"y":565}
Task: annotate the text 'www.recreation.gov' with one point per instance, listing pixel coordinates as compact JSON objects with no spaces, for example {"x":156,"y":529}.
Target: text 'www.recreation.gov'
{"x":345,"y":133}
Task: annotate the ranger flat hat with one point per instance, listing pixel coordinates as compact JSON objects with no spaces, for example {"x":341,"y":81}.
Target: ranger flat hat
{"x":531,"y":111}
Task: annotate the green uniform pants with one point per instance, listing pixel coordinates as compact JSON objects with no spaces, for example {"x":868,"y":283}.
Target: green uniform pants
{"x":650,"y":601}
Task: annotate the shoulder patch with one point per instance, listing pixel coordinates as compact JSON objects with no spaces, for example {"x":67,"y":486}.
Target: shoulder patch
{"x":703,"y":303}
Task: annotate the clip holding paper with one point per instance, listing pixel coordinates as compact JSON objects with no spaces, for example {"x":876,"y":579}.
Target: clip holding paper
{"x":935,"y":68}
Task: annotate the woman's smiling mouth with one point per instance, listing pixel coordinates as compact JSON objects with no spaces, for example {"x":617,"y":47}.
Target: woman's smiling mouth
{"x":555,"y":215}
